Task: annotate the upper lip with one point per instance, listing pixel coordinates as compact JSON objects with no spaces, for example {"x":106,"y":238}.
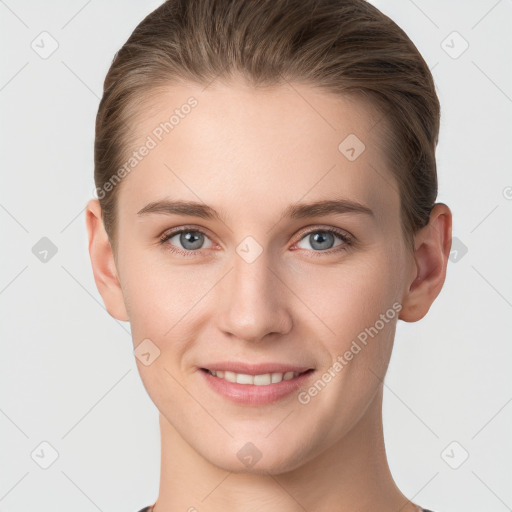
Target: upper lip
{"x":255,"y":369}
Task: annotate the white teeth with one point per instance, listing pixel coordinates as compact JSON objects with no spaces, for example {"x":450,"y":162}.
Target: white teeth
{"x":258,"y":380}
{"x":244,"y":379}
{"x":277,"y":377}
{"x":262,"y":380}
{"x":230,"y":376}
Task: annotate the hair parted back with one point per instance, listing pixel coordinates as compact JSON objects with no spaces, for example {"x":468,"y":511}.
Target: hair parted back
{"x":345,"y":47}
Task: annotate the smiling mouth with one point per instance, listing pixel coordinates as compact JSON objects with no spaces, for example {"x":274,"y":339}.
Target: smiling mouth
{"x":264,"y":379}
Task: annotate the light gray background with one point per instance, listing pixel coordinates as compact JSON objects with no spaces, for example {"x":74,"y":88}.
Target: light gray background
{"x":67,"y":372}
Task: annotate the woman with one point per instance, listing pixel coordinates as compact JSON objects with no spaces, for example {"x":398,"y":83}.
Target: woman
{"x":266,"y":213}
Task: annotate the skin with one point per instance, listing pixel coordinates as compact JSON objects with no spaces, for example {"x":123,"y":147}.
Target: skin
{"x":286,"y":306}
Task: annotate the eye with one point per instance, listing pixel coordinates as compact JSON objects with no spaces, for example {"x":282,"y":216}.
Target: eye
{"x":190,"y":240}
{"x":322,"y":240}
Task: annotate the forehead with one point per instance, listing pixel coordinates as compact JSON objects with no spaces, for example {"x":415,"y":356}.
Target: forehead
{"x":237,"y":145}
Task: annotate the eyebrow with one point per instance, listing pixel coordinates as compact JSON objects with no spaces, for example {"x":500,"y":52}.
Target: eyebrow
{"x":294,"y":211}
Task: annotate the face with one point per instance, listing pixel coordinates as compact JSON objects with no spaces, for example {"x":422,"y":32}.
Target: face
{"x":251,"y":276}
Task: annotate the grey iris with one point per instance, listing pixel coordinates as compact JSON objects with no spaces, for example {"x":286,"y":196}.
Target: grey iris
{"x":319,"y":238}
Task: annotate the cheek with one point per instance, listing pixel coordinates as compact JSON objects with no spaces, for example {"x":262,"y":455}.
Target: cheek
{"x":354,"y":293}
{"x":358,"y":302}
{"x":162,"y":297}
{"x":164,"y":303}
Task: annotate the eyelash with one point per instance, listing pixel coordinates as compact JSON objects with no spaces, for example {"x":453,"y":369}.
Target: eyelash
{"x":346,"y":239}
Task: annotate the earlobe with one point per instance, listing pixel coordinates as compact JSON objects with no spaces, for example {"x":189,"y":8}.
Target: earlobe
{"x":103,"y":263}
{"x":432,"y":250}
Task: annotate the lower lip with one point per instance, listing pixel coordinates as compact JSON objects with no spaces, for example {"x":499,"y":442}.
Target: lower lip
{"x":250,"y":394}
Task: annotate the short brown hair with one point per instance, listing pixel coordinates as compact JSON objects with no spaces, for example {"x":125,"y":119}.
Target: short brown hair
{"x":346,"y":47}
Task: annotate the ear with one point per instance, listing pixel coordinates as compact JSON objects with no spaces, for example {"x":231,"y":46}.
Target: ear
{"x":103,"y":263}
{"x":432,"y":249}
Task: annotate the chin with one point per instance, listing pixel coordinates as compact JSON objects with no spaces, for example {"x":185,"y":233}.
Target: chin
{"x":260,"y":457}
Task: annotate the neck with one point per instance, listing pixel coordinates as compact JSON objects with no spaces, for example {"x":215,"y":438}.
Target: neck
{"x":352,"y":475}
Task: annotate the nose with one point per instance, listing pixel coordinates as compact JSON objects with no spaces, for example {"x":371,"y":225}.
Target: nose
{"x":255,"y":301}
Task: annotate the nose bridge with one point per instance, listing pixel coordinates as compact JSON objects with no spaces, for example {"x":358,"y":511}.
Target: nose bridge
{"x":254,"y":304}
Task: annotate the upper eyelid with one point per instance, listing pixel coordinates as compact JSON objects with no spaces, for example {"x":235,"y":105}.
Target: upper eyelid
{"x":335,"y":230}
{"x":175,"y":231}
